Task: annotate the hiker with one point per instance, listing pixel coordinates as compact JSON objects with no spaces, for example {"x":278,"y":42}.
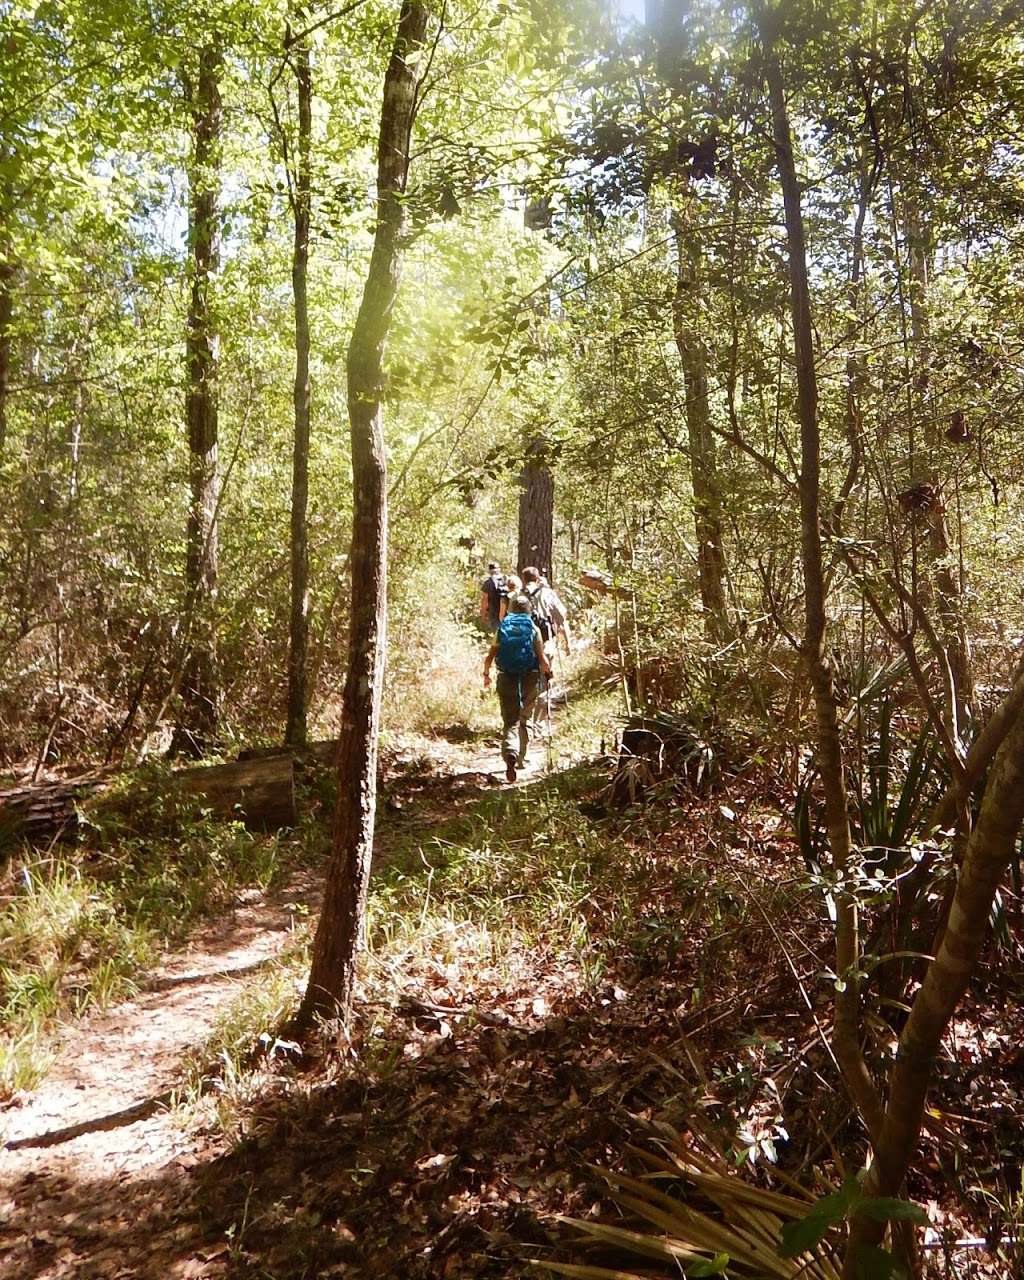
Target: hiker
{"x":491,"y":590}
{"x":546,"y":609}
{"x":520,"y":657}
{"x":513,"y":586}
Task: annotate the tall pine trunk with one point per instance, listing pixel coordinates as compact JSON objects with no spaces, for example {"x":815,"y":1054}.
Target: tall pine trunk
{"x":536,"y":510}
{"x":298,"y":648}
{"x":846,"y":1034}
{"x":332,"y":974}
{"x":707,"y":510}
{"x":197,"y":724}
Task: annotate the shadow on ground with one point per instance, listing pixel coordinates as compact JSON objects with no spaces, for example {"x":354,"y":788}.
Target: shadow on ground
{"x":466,"y":1110}
{"x":106,"y":1229}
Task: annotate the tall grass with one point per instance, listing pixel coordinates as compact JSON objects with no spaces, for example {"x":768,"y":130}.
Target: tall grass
{"x":434,"y":680}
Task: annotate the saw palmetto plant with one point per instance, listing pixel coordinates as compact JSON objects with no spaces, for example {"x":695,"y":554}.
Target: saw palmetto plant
{"x":692,"y":1212}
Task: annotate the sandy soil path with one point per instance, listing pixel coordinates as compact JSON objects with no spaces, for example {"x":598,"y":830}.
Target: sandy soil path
{"x":101,"y":1120}
{"x":93,"y":1170}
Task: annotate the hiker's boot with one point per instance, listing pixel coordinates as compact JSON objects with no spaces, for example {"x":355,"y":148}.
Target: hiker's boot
{"x":510,"y":769}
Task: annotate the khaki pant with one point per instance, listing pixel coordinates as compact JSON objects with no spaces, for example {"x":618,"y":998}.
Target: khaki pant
{"x":517,"y":696}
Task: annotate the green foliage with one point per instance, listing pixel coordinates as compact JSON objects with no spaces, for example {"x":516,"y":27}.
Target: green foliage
{"x":842,"y":1206}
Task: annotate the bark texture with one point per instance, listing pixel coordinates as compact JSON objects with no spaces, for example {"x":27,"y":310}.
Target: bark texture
{"x":298,"y":647}
{"x":197,"y":724}
{"x":846,"y":1034}
{"x":707,"y":507}
{"x":7,"y":271}
{"x":6,"y":317}
{"x":339,"y":932}
{"x":536,"y":510}
{"x":948,"y":595}
{"x":989,"y":850}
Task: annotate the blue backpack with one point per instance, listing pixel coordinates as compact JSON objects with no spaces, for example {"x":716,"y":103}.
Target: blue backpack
{"x":515,"y":645}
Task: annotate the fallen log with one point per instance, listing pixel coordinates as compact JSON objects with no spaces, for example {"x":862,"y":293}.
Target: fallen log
{"x":259,"y":791}
{"x":42,"y":812}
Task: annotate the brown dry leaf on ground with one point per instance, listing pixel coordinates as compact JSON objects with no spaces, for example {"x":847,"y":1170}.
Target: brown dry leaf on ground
{"x":476,"y":1090}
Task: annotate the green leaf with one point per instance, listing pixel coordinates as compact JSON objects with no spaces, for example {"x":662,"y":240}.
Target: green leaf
{"x":804,"y":1234}
{"x":889,"y":1209}
{"x":709,"y":1266}
{"x":874,"y":1263}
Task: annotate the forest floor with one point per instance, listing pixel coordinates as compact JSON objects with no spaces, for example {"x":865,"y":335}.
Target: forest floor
{"x":546,"y":984}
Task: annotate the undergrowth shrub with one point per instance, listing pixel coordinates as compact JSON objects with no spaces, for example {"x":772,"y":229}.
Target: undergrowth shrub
{"x":434,"y":678}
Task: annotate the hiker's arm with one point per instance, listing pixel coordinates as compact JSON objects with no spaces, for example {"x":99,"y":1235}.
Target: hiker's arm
{"x":561,"y":620}
{"x":538,"y":649}
{"x":485,"y":605}
{"x":492,"y":653}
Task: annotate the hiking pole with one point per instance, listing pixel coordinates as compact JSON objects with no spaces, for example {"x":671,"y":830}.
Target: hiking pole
{"x":551,"y":726}
{"x":561,"y":675}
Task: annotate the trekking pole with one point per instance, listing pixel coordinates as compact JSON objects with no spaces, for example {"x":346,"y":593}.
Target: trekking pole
{"x":561,"y":675}
{"x":551,"y":726}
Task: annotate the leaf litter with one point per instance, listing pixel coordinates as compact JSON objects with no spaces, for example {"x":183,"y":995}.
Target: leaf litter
{"x":476,"y":1093}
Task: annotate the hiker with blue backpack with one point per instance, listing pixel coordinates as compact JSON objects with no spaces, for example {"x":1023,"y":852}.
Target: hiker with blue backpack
{"x":519,"y":655}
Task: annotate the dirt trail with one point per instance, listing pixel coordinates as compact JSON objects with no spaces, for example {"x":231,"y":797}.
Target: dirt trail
{"x":101,"y":1115}
{"x":93,"y":1159}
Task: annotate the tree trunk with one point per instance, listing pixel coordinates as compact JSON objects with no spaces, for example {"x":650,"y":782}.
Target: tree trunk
{"x":259,"y":790}
{"x":947,"y":585}
{"x":298,"y":649}
{"x":6,"y":316}
{"x":846,"y":1034}
{"x":707,"y":509}
{"x":7,"y":270}
{"x":989,"y":850}
{"x":339,"y":932}
{"x":197,"y":724}
{"x":536,"y":510}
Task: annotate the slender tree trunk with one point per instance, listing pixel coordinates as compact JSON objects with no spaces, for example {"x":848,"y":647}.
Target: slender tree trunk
{"x":846,"y":1034}
{"x":947,"y":585}
{"x":298,"y":650}
{"x":6,"y":316}
{"x":7,"y":271}
{"x":856,"y":364}
{"x":989,"y":850}
{"x":536,"y":510}
{"x":707,"y":507}
{"x":339,"y":932}
{"x":197,"y":725}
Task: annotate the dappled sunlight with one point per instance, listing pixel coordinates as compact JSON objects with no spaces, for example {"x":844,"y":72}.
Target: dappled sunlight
{"x":511,"y":681}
